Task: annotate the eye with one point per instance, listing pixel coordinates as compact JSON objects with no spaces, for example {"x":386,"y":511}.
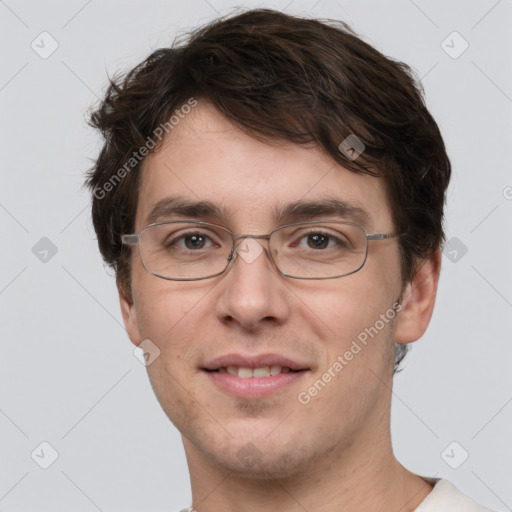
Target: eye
{"x":191,"y":241}
{"x":318,"y":240}
{"x":196,"y":241}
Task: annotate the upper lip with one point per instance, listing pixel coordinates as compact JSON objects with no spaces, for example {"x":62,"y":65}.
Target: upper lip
{"x":253,"y":361}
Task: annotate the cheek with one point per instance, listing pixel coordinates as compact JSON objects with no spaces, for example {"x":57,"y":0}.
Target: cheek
{"x":168,"y":314}
{"x":343,"y":308}
{"x":165,"y":308}
{"x":353,"y":321}
{"x":170,"y":319}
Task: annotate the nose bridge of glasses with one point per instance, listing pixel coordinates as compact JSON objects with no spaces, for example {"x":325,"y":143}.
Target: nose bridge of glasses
{"x":247,"y":247}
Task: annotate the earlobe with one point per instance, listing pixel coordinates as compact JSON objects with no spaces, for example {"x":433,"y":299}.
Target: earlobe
{"x":418,"y":301}
{"x":129,"y":314}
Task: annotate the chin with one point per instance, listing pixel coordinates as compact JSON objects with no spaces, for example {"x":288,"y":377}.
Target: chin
{"x":252,"y":453}
{"x":264,"y":463}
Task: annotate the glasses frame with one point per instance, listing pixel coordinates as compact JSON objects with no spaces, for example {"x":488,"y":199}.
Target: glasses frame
{"x":134,"y":239}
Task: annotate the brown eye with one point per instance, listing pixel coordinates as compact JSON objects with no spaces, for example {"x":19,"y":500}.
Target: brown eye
{"x":318,"y":241}
{"x":194,"y":241}
{"x":191,"y":241}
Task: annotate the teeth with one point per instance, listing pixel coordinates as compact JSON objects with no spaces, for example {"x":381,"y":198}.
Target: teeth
{"x":245,"y":373}
{"x":261,"y":372}
{"x":276,"y":370}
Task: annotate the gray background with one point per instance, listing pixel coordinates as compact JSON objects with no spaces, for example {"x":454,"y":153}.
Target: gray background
{"x":68,"y":375}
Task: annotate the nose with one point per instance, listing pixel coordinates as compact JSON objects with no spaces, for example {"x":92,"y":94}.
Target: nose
{"x":252,"y":291}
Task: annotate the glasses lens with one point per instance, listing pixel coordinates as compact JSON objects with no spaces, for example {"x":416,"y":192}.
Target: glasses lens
{"x":319,"y":250}
{"x":184,"y":250}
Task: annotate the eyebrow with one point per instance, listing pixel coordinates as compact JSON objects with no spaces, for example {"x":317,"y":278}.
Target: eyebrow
{"x":301,"y":210}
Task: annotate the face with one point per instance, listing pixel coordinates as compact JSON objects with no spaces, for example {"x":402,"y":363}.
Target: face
{"x":253,"y":316}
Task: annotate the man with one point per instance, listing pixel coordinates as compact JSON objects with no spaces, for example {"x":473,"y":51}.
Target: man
{"x":270,"y":194}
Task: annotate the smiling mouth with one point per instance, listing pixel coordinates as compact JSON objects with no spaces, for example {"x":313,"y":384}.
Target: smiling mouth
{"x":256,"y":373}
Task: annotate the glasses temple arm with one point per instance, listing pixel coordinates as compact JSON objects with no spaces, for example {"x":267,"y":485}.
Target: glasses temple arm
{"x":130,"y":239}
{"x":382,"y":236}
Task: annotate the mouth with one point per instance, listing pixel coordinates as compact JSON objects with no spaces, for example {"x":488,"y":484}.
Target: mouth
{"x":255,"y":373}
{"x":253,"y":377}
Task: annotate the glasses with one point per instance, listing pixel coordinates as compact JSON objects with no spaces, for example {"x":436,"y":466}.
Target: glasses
{"x":189,"y":250}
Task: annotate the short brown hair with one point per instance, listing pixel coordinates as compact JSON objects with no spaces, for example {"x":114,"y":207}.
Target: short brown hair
{"x":280,"y":77}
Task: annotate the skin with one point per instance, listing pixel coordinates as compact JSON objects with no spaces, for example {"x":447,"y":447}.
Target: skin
{"x":335,"y":452}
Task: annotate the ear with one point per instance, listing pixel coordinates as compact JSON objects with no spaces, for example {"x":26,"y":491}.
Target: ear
{"x":418,"y":301}
{"x":129,"y":313}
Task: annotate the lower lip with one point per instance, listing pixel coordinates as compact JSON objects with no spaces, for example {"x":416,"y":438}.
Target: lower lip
{"x":252,"y":387}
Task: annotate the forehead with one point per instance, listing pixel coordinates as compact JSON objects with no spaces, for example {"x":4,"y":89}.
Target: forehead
{"x":210,"y":167}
